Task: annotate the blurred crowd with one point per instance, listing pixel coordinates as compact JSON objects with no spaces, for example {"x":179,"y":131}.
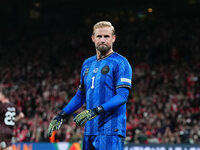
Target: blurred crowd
{"x":41,"y":69}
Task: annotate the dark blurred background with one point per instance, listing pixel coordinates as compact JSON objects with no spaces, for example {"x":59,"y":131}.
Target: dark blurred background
{"x":43,"y":44}
{"x":20,"y":14}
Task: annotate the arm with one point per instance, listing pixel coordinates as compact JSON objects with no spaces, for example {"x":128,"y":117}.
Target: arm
{"x":76,"y":102}
{"x":119,"y":99}
{"x":19,"y":117}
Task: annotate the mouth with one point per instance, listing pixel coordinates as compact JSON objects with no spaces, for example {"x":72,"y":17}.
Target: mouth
{"x":102,"y":45}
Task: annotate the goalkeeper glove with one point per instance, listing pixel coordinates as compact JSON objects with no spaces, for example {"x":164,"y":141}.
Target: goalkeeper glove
{"x":86,"y":115}
{"x":56,"y":122}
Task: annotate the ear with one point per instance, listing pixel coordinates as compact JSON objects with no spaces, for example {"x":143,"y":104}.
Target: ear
{"x":93,"y":39}
{"x":114,"y":38}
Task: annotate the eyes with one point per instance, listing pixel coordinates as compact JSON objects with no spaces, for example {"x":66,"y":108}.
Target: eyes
{"x":102,"y":36}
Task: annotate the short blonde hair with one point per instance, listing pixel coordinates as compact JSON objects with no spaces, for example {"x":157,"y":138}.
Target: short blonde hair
{"x":102,"y":24}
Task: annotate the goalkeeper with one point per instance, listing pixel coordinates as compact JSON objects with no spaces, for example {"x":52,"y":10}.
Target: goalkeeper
{"x":104,"y":87}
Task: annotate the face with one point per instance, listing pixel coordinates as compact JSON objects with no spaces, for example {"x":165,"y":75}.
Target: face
{"x":103,"y":39}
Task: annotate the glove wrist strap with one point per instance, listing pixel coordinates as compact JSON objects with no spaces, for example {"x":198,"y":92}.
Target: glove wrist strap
{"x":99,"y":110}
{"x":62,"y":114}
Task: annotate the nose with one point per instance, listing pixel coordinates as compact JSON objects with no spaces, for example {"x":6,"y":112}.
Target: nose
{"x":102,"y":40}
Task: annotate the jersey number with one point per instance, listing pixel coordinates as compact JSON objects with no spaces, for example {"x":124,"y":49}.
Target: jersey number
{"x":92,"y":82}
{"x":10,"y":118}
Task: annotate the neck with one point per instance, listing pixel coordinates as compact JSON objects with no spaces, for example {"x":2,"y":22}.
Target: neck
{"x":101,"y":55}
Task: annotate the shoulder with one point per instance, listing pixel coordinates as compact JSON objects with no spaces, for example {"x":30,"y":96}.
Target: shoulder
{"x":89,"y":60}
{"x":121,"y":63}
{"x":9,"y":106}
{"x":119,"y":59}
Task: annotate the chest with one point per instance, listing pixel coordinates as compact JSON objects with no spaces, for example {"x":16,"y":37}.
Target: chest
{"x":97,"y":75}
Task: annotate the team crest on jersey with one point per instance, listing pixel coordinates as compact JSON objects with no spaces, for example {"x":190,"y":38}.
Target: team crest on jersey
{"x":86,"y":71}
{"x":95,"y":70}
{"x":105,"y":70}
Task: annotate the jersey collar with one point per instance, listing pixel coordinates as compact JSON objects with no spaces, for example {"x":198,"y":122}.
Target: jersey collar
{"x":105,"y":57}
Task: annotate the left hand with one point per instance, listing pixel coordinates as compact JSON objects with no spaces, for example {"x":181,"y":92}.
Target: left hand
{"x":86,"y":115}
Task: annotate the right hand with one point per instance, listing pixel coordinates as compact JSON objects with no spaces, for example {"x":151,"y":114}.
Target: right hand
{"x":55,"y":124}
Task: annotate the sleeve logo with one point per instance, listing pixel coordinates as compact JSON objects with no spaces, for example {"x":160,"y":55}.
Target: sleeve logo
{"x":125,"y":80}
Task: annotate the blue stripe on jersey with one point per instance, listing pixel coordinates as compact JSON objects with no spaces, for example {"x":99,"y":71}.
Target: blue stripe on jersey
{"x":102,"y":90}
{"x":109,"y":140}
{"x":90,"y":93}
{"x":89,"y":104}
{"x":113,"y":122}
{"x":94,"y":99}
{"x":87,"y":85}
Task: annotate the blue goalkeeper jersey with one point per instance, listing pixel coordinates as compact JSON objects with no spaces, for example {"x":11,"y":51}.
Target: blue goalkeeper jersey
{"x":100,"y":80}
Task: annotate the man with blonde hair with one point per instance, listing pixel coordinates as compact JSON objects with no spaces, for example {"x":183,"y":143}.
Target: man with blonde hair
{"x":104,"y":87}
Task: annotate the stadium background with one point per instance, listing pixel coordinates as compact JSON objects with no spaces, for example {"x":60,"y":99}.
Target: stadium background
{"x":44,"y":42}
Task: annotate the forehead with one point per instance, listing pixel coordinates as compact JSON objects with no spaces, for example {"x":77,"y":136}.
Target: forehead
{"x":103,"y":31}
